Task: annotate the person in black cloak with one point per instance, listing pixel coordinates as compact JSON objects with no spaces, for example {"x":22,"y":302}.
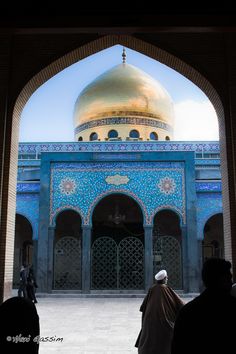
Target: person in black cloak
{"x":22,"y":291}
{"x":31,"y":285}
{"x":206,"y":324}
{"x":20,"y":326}
{"x":159,"y":310}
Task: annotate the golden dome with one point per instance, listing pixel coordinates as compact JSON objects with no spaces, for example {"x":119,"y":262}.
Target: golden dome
{"x":123,"y":92}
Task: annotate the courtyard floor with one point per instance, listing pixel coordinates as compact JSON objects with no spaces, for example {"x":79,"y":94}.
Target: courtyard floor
{"x":89,"y":325}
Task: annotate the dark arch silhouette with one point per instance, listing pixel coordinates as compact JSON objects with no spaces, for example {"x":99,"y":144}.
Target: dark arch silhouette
{"x":67,"y":257}
{"x":117,"y":249}
{"x":213,"y":240}
{"x":167,"y":246}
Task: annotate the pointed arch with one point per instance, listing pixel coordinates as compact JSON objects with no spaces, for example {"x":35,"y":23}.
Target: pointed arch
{"x":116,"y":191}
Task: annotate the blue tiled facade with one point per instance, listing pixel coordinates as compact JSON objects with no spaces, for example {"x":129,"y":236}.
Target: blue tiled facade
{"x":53,"y":177}
{"x":208,"y":204}
{"x":27,"y":205}
{"x":93,"y":181}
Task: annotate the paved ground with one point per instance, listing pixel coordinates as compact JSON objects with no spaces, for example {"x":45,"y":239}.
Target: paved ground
{"x":89,"y":325}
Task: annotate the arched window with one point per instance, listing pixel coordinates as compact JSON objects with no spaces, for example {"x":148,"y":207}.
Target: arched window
{"x":80,"y":138}
{"x":153,"y":136}
{"x":167,"y":137}
{"x":93,"y":136}
{"x":134,"y":134}
{"x":112,"y":134}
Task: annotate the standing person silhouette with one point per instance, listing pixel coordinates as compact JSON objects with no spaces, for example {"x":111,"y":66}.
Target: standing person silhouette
{"x":20,"y":326}
{"x":31,"y":285}
{"x":206,"y":324}
{"x":22,"y":291}
{"x":159,"y":310}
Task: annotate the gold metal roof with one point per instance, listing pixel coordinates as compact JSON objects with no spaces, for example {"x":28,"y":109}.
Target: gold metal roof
{"x":123,"y":91}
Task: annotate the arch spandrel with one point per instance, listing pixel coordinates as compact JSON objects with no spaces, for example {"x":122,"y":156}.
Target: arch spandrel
{"x":59,"y":211}
{"x":206,"y":208}
{"x":30,"y":213}
{"x":164,"y":183}
{"x":204,"y":220}
{"x":99,"y":198}
{"x":176,"y":211}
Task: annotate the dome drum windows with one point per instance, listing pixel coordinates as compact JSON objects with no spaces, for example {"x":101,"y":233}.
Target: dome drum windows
{"x":134,"y":135}
{"x":93,"y":136}
{"x":113,"y":135}
{"x":153,"y":136}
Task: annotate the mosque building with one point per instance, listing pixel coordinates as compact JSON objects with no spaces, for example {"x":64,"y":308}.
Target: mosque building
{"x":104,"y":213}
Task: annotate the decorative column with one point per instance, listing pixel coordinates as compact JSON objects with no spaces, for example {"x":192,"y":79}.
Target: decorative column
{"x":148,"y":256}
{"x":191,"y":262}
{"x":35,"y":255}
{"x":200,"y":261}
{"x":86,"y":258}
{"x":185,"y":260}
{"x":51,"y":235}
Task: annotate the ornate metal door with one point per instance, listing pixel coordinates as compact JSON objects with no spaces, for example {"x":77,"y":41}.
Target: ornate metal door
{"x":130,"y":260}
{"x":67,"y":264}
{"x":117,"y":266}
{"x":167,"y":255}
{"x":104,"y":263}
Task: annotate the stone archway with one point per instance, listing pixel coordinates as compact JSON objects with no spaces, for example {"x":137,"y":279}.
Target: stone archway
{"x":8,"y":206}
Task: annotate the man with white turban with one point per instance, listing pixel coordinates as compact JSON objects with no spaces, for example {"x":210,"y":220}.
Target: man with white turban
{"x":159,"y":311}
{"x":161,"y":275}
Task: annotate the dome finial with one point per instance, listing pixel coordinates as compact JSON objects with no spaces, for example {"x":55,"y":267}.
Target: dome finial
{"x":124,"y":55}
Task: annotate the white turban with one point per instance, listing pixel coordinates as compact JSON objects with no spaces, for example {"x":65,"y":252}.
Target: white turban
{"x":161,"y":275}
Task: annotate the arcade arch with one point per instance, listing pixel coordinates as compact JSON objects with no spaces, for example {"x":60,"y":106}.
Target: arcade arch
{"x":167,"y":246}
{"x":67,"y":251}
{"x":23,"y":246}
{"x":117,"y":248}
{"x":213,"y":241}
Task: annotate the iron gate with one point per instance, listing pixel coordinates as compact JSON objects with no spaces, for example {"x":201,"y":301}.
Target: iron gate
{"x":117,"y":266}
{"x":167,"y":255}
{"x":104,"y":263}
{"x":67,"y":264}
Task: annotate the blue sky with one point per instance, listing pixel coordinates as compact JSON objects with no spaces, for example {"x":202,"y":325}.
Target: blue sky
{"x":48,"y":115}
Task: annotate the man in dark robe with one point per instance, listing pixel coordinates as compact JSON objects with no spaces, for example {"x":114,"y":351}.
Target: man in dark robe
{"x":31,"y":285}
{"x":22,"y":291}
{"x":207,"y":323}
{"x":159,"y":310}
